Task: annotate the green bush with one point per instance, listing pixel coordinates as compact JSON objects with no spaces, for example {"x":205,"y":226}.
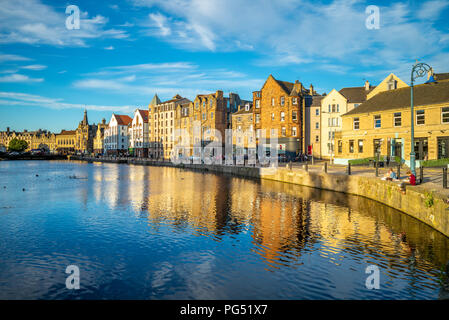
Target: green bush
{"x":360,"y":161}
{"x":435,"y":163}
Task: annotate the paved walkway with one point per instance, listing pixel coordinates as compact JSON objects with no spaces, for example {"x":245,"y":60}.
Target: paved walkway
{"x":432,"y":177}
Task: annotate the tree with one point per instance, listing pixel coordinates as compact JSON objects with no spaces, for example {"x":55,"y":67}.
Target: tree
{"x":17,"y":145}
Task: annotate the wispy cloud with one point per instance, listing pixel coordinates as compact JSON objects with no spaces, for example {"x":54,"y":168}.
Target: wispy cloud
{"x":17,"y":77}
{"x":167,"y":79}
{"x":12,"y":57}
{"x":289,"y":32}
{"x":35,"y":67}
{"x":32,"y":22}
{"x":25,"y":99}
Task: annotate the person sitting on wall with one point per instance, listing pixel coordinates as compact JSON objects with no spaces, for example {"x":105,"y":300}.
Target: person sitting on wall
{"x":410,"y":180}
{"x":390,"y":175}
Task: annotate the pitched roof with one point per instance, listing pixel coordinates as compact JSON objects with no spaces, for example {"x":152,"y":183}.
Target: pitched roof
{"x":243,"y":110}
{"x":423,"y":94}
{"x":144,"y":114}
{"x":356,"y":94}
{"x":441,"y":76}
{"x":175,"y":98}
{"x":155,"y":100}
{"x":316,"y":101}
{"x":123,"y":120}
{"x":67,"y":132}
{"x":287,"y":86}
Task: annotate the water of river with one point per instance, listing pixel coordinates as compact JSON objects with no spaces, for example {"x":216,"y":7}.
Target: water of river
{"x":139,"y":232}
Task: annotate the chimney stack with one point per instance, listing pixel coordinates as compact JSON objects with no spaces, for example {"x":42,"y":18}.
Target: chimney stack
{"x":311,"y":89}
{"x":367,"y":85}
{"x":7,"y":129}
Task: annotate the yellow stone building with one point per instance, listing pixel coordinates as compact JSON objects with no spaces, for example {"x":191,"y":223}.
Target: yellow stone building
{"x":65,"y":142}
{"x":243,"y":134}
{"x":382,"y":125}
{"x":85,"y":134}
{"x":184,"y":123}
{"x":337,"y":103}
{"x":40,"y":139}
{"x":161,"y":126}
{"x":99,"y":138}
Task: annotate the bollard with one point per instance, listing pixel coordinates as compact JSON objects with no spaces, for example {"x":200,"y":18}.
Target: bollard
{"x":349,"y":169}
{"x":399,"y":171}
{"x":325,"y":167}
{"x":377,"y":168}
{"x":421,"y":174}
{"x":306,"y":166}
{"x":444,"y":178}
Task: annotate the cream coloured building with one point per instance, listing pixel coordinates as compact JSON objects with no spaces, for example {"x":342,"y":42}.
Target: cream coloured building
{"x":337,"y":103}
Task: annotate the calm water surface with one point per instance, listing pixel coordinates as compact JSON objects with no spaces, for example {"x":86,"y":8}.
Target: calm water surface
{"x":140,"y":232}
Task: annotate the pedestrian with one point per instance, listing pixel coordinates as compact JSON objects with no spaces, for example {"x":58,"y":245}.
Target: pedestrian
{"x":410,"y":180}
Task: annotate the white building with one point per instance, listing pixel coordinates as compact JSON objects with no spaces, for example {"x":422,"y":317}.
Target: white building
{"x":138,"y":134}
{"x":116,"y":135}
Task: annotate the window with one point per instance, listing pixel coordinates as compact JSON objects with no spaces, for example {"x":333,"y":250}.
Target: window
{"x":211,"y":115}
{"x":420,"y":117}
{"x":351,"y":146}
{"x":257,"y":118}
{"x":272,"y":116}
{"x":317,"y":125}
{"x":295,"y":101}
{"x":257,"y":103}
{"x":356,"y":123}
{"x":283,"y":131}
{"x":272,"y":102}
{"x":329,"y":108}
{"x":282,"y":101}
{"x":282,"y":116}
{"x":204,"y":116}
{"x":294,"y":116}
{"x":445,"y":114}
{"x":338,"y":108}
{"x":397,"y":119}
{"x":360,"y":146}
{"x":317,"y":112}
{"x":333,"y":108}
{"x":377,"y":121}
{"x":317,"y":138}
{"x":211,"y":102}
{"x":293,"y":131}
{"x":340,"y":146}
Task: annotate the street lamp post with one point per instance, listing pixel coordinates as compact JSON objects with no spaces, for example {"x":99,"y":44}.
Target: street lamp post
{"x":418,"y":70}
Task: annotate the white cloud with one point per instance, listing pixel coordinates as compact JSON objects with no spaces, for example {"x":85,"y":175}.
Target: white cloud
{"x":17,"y":77}
{"x":288,"y":32}
{"x":35,"y":67}
{"x":32,"y":22}
{"x":12,"y":57}
{"x":24,"y":99}
{"x":109,"y":48}
{"x":431,"y":10}
{"x":168,"y":79}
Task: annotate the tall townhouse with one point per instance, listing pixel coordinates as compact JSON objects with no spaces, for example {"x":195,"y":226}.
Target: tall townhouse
{"x":138,"y":134}
{"x":337,"y":103}
{"x":99,"y":138}
{"x":243,"y":128}
{"x":280,"y":106}
{"x":162,"y":126}
{"x":85,"y":134}
{"x":116,"y":135}
{"x":184,"y":122}
{"x":381,"y":126}
{"x":313,"y":126}
{"x":213,"y":112}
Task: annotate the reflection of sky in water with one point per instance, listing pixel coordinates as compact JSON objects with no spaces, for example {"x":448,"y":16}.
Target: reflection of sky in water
{"x":161,"y":233}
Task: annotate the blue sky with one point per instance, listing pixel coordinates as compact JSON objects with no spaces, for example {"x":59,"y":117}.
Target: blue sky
{"x":126,"y":51}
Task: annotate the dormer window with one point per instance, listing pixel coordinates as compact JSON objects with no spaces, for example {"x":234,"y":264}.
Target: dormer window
{"x":247,"y":107}
{"x":392,"y":84}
